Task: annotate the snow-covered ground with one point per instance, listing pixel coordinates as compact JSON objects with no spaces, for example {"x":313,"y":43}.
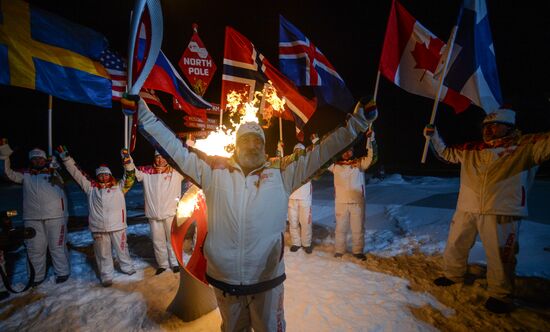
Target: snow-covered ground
{"x":407,"y":224}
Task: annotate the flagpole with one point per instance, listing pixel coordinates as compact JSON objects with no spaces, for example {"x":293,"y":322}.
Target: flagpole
{"x":50,"y":114}
{"x":376,"y":86}
{"x":450,"y":44}
{"x":280,"y":146}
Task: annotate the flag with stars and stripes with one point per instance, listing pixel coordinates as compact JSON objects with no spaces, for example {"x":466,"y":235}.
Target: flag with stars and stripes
{"x":116,"y":68}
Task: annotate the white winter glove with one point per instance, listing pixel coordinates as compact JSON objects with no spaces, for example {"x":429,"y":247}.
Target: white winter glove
{"x":5,"y":150}
{"x":366,"y":110}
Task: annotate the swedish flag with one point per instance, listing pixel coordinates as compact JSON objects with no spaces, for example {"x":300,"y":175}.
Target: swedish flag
{"x":41,"y":51}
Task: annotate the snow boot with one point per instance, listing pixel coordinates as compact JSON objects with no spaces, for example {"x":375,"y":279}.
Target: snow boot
{"x":107,"y":283}
{"x":61,"y":279}
{"x":360,"y":256}
{"x":498,"y":306}
{"x":338,"y":255}
{"x":308,"y":249}
{"x":443,"y":282}
{"x":160,"y":270}
{"x":175,"y":269}
{"x":294,"y":248}
{"x":4,"y":295}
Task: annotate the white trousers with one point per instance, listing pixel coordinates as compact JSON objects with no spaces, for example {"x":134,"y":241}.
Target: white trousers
{"x":263,"y":312}
{"x":162,"y":244}
{"x":103,"y":243}
{"x":299,"y":219}
{"x":499,"y":235}
{"x":51,"y":234}
{"x":350,"y":215}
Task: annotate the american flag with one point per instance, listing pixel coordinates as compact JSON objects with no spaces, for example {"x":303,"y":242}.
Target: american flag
{"x":116,"y":67}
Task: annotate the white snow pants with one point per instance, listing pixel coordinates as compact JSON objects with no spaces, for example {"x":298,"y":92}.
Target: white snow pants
{"x":50,"y":235}
{"x":499,"y":235}
{"x":350,"y":214}
{"x":299,"y":218}
{"x":104,"y":256}
{"x":162,"y":244}
{"x":263,"y":312}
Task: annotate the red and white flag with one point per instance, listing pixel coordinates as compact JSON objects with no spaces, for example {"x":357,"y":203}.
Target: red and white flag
{"x":413,"y":58}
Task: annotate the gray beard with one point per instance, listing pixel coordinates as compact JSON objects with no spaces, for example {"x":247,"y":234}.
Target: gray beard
{"x":250,"y":160}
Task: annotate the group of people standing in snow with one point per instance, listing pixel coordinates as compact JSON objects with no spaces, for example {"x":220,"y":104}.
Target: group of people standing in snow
{"x":250,"y":196}
{"x":45,"y":209}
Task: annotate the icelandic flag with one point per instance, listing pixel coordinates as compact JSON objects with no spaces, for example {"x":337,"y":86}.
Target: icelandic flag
{"x":474,"y":72}
{"x":412,"y":58}
{"x":305,"y":65}
{"x":246,"y":71}
{"x":164,"y":77}
{"x":44,"y":52}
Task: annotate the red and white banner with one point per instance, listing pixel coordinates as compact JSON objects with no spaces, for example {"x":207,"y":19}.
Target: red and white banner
{"x":196,"y":64}
{"x":412,"y":58}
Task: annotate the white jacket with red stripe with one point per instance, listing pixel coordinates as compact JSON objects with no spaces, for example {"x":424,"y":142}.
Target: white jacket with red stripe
{"x":42,"y":198}
{"x":107,"y":206}
{"x":495,"y":179}
{"x":246,"y":214}
{"x":161,"y":192}
{"x":349,"y":177}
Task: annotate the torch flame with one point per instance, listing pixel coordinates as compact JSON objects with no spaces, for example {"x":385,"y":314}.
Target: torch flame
{"x":188,"y":203}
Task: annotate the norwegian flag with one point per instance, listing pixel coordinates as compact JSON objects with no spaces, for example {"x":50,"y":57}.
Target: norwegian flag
{"x":116,"y":68}
{"x":245,"y":70}
{"x":302,"y":62}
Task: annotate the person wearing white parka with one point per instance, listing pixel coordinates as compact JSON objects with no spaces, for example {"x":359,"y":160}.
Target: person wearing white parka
{"x":162,"y":191}
{"x":45,"y":210}
{"x":495,"y":177}
{"x":299,"y":212}
{"x":107,"y":213}
{"x":349,"y":200}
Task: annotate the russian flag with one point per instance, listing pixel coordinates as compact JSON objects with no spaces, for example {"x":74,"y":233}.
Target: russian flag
{"x":164,"y":77}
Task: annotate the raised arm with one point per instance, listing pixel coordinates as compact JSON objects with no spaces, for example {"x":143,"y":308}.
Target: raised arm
{"x":541,"y":147}
{"x":129,"y":177}
{"x":5,"y":152}
{"x":78,"y":175}
{"x":372,"y":152}
{"x":190,"y":163}
{"x":449,"y":154}
{"x":299,"y":169}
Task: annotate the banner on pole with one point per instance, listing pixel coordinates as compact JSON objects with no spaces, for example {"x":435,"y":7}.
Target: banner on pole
{"x":196,"y":64}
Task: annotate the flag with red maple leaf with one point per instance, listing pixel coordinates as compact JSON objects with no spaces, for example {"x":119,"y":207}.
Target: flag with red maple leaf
{"x":412,"y":58}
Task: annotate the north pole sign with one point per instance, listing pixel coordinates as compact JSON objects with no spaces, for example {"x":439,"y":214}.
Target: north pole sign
{"x":196,"y":64}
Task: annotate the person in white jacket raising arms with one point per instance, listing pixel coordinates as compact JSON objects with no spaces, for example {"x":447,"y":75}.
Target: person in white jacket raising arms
{"x":247,"y":198}
{"x":161,"y":191}
{"x":107,"y":213}
{"x":349,"y":201}
{"x":299,"y":213}
{"x":495,"y":177}
{"x":45,"y":210}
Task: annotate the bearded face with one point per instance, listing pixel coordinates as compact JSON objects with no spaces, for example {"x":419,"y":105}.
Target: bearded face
{"x":250,"y":151}
{"x":495,"y":130}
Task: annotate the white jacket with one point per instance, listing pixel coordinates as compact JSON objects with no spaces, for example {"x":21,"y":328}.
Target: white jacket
{"x":246,"y":214}
{"x":495,"y":179}
{"x":107,"y":206}
{"x":349,"y":177}
{"x":304,"y":193}
{"x":42,"y":197}
{"x":161,"y":192}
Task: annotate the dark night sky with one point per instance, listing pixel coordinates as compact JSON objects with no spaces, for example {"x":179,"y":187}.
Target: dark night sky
{"x":349,"y":33}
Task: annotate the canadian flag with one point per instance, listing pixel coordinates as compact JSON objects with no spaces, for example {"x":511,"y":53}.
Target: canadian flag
{"x":413,"y":58}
